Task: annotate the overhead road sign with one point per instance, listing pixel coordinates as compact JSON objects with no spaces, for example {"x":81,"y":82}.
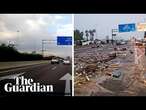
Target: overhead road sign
{"x":127,"y":27}
{"x":64,"y":40}
{"x":141,"y":27}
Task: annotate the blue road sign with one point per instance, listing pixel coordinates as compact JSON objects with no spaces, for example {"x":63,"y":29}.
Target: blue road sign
{"x":64,"y":40}
{"x":127,"y":27}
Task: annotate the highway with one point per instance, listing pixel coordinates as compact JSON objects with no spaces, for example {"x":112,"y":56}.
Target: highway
{"x":43,"y":73}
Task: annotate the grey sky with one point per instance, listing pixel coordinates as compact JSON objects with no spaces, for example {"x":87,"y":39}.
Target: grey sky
{"x":33,"y":28}
{"x":103,"y":23}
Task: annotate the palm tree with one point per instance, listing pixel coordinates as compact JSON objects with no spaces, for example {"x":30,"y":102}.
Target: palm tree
{"x":94,"y":31}
{"x":81,"y":35}
{"x":92,"y":34}
{"x":87,"y":34}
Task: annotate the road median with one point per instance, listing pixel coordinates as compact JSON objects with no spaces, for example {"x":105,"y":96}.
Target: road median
{"x":18,"y":64}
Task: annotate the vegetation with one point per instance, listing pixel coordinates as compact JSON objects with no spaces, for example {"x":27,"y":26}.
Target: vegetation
{"x":78,"y":35}
{"x":10,"y":53}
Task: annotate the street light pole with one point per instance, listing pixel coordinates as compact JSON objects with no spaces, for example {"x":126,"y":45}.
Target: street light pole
{"x":43,"y":47}
{"x":18,"y":41}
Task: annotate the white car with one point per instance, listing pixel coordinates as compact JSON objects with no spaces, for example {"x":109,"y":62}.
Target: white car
{"x":55,"y":60}
{"x":66,"y":61}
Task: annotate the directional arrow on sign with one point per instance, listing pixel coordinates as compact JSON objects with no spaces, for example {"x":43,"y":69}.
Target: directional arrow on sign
{"x":67,"y":78}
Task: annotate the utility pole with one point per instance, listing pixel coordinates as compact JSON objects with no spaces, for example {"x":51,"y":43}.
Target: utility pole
{"x":44,"y":42}
{"x":107,"y":39}
{"x":42,"y":47}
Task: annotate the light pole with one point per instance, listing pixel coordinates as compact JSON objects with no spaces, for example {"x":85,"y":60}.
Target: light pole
{"x":18,"y":46}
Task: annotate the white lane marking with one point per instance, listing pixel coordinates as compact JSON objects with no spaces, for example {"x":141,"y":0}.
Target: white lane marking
{"x":11,"y":76}
{"x":54,"y":68}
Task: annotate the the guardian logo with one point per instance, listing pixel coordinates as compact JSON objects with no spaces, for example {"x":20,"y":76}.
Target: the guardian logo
{"x":27,"y":85}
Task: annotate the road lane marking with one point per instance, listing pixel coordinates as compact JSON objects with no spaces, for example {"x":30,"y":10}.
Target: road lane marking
{"x":11,"y":76}
{"x":54,"y":68}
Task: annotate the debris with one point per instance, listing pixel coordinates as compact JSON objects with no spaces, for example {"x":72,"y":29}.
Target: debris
{"x":109,"y":73}
{"x":91,"y":67}
{"x":120,"y":49}
{"x":114,"y":65}
{"x":131,"y":51}
{"x":87,"y":78}
{"x":112,"y":54}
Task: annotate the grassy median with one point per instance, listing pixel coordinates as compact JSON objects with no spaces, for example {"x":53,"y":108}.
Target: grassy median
{"x":13,"y":64}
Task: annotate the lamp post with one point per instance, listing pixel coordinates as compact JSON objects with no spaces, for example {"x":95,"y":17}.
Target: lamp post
{"x":18,"y":41}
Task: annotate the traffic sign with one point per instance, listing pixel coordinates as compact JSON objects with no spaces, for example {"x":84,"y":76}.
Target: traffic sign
{"x":127,"y":27}
{"x":64,"y":40}
{"x":141,"y":27}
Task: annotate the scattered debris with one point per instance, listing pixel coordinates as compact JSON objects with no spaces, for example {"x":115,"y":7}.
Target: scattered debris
{"x":103,"y":65}
{"x":91,"y":63}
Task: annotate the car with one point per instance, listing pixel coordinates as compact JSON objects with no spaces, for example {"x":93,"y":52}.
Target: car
{"x":60,"y":60}
{"x":123,"y":43}
{"x":66,"y":62}
{"x":116,"y":74}
{"x":55,"y":61}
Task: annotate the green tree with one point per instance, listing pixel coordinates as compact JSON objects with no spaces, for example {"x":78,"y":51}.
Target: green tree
{"x":78,"y":35}
{"x":91,"y":32}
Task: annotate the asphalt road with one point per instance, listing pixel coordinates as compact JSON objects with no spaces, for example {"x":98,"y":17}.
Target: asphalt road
{"x":44,"y":74}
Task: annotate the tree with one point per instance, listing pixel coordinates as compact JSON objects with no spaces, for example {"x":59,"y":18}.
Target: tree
{"x":81,"y":35}
{"x":33,"y":52}
{"x":78,"y":35}
{"x":92,"y":34}
{"x":9,"y":53}
{"x":87,"y":34}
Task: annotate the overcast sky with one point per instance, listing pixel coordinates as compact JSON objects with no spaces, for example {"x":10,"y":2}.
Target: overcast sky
{"x":103,"y":23}
{"x":28,"y":30}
